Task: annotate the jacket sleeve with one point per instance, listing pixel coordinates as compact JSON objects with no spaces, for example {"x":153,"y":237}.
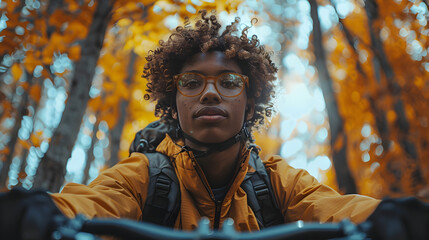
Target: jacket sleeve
{"x":301,"y":197}
{"x":117,"y":192}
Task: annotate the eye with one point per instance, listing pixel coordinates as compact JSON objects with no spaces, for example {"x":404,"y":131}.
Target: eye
{"x":189,"y":84}
{"x":190,"y":81}
{"x":231,"y":81}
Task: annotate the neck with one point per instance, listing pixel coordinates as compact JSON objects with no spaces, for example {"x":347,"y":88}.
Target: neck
{"x":219,"y":167}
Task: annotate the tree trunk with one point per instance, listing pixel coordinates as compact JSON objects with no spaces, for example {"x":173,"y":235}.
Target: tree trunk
{"x":116,"y":132}
{"x":395,"y":90}
{"x":90,"y":153}
{"x":338,"y":137}
{"x":379,"y":114}
{"x":21,"y":112}
{"x":52,"y":169}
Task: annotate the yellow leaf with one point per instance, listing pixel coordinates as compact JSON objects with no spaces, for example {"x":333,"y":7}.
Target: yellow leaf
{"x":124,"y":22}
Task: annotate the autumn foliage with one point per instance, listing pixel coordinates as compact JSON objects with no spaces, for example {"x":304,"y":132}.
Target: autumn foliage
{"x":70,"y":75}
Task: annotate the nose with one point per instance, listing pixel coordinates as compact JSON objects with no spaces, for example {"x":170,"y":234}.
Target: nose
{"x":210,"y":94}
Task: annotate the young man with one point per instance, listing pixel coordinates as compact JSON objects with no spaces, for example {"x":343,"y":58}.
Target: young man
{"x":215,"y":86}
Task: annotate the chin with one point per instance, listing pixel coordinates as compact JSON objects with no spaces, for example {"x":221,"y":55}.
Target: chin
{"x":212,"y":136}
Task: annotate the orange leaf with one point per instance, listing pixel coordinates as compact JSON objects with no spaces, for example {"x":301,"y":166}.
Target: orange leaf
{"x":36,"y":92}
{"x":25,"y":85}
{"x":47,"y":54}
{"x":58,"y":42}
{"x":46,"y":73}
{"x":111,"y":119}
{"x":74,"y":53}
{"x":25,"y":144}
{"x":95,"y":103}
{"x":58,"y":18}
{"x":16,"y":71}
{"x":22,"y":175}
{"x":73,"y":5}
{"x":30,"y":62}
{"x":35,"y":140}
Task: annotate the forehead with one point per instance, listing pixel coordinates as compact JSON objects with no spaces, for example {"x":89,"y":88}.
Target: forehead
{"x":211,"y":63}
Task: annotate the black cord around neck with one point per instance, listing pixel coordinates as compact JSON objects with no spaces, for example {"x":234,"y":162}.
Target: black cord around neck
{"x":242,"y":135}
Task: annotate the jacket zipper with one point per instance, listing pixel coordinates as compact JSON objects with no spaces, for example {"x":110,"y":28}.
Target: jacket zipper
{"x":217,"y":214}
{"x":218,"y":204}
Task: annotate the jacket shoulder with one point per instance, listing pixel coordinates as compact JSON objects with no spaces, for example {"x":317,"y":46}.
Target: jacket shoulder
{"x":302,"y":197}
{"x":119,"y":191}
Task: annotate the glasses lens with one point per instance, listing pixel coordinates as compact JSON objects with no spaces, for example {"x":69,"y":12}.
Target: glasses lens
{"x":190,"y":84}
{"x":230,"y":84}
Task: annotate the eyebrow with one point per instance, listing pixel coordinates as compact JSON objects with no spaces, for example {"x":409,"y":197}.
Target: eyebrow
{"x":218,"y":73}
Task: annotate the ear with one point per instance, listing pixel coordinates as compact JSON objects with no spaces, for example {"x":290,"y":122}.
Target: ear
{"x":250,"y":109}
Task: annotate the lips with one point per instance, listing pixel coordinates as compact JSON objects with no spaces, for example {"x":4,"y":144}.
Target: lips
{"x":210,"y":111}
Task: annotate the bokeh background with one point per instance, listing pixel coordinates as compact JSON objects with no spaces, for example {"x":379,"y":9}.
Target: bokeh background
{"x":352,"y":103}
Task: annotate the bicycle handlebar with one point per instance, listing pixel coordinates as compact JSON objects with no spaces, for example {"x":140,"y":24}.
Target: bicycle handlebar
{"x":128,"y":229}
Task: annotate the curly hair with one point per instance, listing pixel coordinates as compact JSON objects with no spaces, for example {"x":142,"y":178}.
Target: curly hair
{"x":167,"y":60}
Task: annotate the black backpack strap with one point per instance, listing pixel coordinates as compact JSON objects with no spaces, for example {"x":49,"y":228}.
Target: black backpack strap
{"x":163,"y":197}
{"x":260,"y":195}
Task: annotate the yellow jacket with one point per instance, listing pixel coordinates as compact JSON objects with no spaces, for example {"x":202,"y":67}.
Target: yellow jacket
{"x":121,"y":192}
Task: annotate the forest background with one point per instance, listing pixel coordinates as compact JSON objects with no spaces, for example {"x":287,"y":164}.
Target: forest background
{"x":352,"y":102}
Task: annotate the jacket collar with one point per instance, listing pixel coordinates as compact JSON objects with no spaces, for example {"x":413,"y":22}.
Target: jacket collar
{"x":193,"y":180}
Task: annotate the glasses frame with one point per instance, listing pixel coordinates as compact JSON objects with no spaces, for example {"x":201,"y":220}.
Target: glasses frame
{"x":244,"y":78}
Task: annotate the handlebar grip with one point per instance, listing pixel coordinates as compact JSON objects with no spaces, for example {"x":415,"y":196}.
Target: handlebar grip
{"x":298,"y":230}
{"x":132,"y":230}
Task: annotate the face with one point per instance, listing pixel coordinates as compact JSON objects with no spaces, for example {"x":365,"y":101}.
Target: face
{"x":211,"y":117}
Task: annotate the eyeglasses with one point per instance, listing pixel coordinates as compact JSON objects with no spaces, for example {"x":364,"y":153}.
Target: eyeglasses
{"x":228,"y":84}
